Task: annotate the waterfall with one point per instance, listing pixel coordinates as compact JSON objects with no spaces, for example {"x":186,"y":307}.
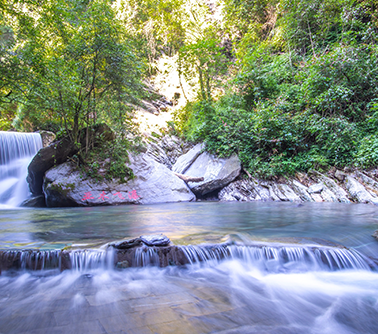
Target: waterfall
{"x":16,"y":151}
{"x":281,"y":258}
{"x":267,"y":258}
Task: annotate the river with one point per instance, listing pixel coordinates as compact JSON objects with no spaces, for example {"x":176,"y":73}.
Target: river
{"x":233,"y":295}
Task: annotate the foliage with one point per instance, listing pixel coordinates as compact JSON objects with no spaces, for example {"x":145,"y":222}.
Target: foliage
{"x":108,"y":161}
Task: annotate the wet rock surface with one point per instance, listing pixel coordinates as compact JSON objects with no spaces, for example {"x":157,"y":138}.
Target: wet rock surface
{"x":149,"y":240}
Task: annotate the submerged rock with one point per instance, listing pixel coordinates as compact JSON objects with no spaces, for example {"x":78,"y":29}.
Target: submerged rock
{"x":153,"y":183}
{"x":34,"y":202}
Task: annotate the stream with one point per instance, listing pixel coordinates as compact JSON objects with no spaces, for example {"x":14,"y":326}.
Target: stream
{"x":249,"y":291}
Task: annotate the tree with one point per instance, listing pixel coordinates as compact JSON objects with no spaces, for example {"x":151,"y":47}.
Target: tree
{"x":80,"y":63}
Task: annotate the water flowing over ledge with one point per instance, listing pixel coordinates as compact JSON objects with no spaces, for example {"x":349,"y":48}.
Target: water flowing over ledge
{"x":16,"y":151}
{"x":269,"y":258}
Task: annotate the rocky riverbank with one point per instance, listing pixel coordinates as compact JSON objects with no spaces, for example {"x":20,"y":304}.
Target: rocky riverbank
{"x":166,"y":172}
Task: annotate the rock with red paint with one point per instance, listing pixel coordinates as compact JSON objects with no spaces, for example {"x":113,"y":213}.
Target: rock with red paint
{"x":153,"y":183}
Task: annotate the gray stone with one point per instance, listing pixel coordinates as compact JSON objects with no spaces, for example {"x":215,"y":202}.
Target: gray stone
{"x":167,"y":150}
{"x":288,"y":192}
{"x":153,"y":183}
{"x":375,"y":234}
{"x":155,"y":240}
{"x":184,"y":161}
{"x":316,"y":188}
{"x":301,"y":191}
{"x":339,"y":175}
{"x":328,"y":195}
{"x":47,"y":137}
{"x":34,"y":202}
{"x":370,"y":184}
{"x":240,"y":190}
{"x":337,"y":193}
{"x":126,"y":244}
{"x":217,"y":172}
{"x":58,"y":152}
{"x":358,"y":191}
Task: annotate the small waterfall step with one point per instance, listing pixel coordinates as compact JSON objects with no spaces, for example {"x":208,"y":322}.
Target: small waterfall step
{"x":269,"y":258}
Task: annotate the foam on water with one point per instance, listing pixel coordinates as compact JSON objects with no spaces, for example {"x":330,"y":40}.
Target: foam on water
{"x":231,"y":295}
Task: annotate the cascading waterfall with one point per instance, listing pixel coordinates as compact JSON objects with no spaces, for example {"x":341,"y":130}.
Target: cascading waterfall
{"x":16,"y":151}
{"x":272,"y":258}
{"x":84,"y":260}
{"x":281,"y":258}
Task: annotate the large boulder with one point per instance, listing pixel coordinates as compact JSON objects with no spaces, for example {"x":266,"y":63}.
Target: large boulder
{"x":54,"y":154}
{"x":217,"y":172}
{"x":58,"y":152}
{"x":184,"y":161}
{"x":153,"y":183}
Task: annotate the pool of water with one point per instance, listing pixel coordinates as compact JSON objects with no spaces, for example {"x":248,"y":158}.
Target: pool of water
{"x":235,"y":295}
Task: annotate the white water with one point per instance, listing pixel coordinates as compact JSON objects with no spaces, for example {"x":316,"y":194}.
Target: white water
{"x":16,"y":151}
{"x":229,"y":296}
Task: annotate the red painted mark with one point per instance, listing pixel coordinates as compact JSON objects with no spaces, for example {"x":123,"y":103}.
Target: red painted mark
{"x":102,"y":196}
{"x":119,"y":195}
{"x":87,"y":196}
{"x":133,"y":195}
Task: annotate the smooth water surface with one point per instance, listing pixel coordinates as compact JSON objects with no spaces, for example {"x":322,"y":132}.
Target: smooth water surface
{"x":348,"y":224}
{"x":236,"y":295}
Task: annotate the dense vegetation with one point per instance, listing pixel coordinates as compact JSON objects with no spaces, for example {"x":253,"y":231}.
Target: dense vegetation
{"x":286,"y":84}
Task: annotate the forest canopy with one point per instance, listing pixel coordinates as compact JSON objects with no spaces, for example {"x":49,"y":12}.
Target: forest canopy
{"x":288,"y":85}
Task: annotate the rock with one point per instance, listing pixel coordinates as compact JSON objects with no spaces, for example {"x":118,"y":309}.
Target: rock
{"x":339,"y":175}
{"x":34,"y":202}
{"x":316,"y":188}
{"x":153,"y":183}
{"x":332,"y":192}
{"x":58,"y":152}
{"x":317,"y":198}
{"x":155,"y":240}
{"x":54,"y":154}
{"x":47,"y":137}
{"x":126,"y":244}
{"x":370,"y":184}
{"x":217,"y":172}
{"x":241,"y":190}
{"x":167,"y":150}
{"x":375,"y":235}
{"x":288,"y":193}
{"x":358,"y":191}
{"x":184,"y":161}
{"x":301,"y":191}
{"x":328,"y":195}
